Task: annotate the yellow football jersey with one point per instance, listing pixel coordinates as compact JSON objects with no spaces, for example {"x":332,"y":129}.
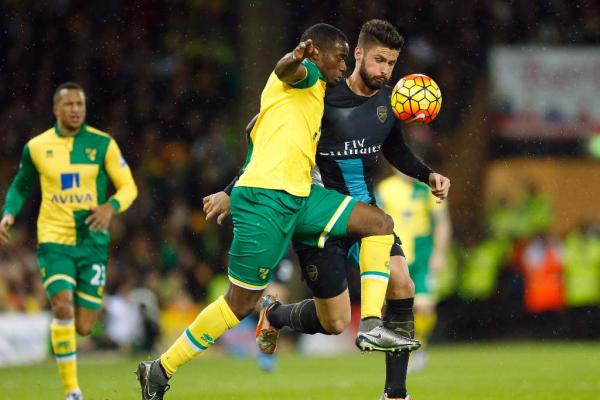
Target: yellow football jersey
{"x":411,"y":205}
{"x":73,"y":173}
{"x":283,"y":142}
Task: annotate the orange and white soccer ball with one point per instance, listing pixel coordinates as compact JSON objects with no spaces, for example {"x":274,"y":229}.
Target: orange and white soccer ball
{"x":416,"y":99}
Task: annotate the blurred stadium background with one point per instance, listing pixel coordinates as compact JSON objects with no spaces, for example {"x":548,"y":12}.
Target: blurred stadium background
{"x":176,"y":81}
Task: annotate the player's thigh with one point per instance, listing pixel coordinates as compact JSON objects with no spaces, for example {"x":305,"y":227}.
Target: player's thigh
{"x":324,"y":269}
{"x":325,"y":215}
{"x":58,"y":272}
{"x":263,"y":223}
{"x":367,"y":220}
{"x":92,"y":264}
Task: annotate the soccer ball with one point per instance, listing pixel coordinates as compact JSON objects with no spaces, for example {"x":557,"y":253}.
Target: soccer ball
{"x":416,"y":99}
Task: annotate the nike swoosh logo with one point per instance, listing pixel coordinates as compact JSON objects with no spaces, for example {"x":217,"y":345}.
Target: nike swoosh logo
{"x":378,"y":336}
{"x":416,"y":118}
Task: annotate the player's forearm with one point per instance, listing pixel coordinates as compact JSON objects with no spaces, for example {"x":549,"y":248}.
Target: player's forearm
{"x":409,"y":164}
{"x":124,"y":196}
{"x":290,"y":70}
{"x":21,"y":185}
{"x":17,"y":194}
{"x":14,"y":202}
{"x":397,"y":152}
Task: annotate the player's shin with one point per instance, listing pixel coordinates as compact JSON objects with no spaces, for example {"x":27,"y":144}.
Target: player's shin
{"x":64,"y":345}
{"x":211,"y":323}
{"x":374,"y":264}
{"x":301,"y":317}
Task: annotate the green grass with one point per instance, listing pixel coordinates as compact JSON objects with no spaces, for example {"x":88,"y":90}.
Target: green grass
{"x":524,"y":371}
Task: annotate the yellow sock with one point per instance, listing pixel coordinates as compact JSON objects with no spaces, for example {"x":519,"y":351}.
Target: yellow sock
{"x":64,"y":345}
{"x":374,"y":261}
{"x":424,"y":324}
{"x":212,"y":322}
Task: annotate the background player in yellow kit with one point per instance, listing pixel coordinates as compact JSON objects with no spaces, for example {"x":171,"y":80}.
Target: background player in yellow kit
{"x":73,"y":163}
{"x":424,"y":225}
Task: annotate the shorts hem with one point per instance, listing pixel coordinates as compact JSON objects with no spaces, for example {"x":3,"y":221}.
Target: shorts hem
{"x":245,"y":285}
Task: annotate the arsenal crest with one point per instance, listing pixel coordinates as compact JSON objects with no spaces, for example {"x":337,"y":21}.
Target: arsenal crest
{"x":382,"y":113}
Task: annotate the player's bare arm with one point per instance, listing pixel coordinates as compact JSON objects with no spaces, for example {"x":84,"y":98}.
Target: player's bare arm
{"x":216,"y":205}
{"x":290,"y":69}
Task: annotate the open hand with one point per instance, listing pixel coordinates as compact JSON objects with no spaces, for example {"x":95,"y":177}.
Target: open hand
{"x":304,"y":50}
{"x":100,"y":218}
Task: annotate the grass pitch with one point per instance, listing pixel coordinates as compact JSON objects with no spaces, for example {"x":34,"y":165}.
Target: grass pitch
{"x":524,"y":371}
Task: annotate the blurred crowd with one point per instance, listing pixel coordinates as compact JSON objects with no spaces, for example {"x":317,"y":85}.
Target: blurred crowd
{"x":163,"y":78}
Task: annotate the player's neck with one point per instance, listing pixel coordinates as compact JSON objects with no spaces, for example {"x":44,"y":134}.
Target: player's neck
{"x":358,"y":86}
{"x":66,"y":131}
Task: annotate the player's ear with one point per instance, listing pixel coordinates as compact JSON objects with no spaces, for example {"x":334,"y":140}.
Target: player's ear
{"x":317,"y":57}
{"x":358,"y":53}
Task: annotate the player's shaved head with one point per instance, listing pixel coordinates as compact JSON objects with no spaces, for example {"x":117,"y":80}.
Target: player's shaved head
{"x":66,"y":86}
{"x":377,"y":32}
{"x":324,"y":35}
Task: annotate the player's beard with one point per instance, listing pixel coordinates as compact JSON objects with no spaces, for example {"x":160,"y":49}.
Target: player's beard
{"x":370,"y":81}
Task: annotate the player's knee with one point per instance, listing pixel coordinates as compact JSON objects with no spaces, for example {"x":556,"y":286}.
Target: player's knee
{"x":388,"y":225}
{"x":383,"y":225}
{"x":241,"y":301}
{"x":335,"y":326}
{"x":62,"y":309}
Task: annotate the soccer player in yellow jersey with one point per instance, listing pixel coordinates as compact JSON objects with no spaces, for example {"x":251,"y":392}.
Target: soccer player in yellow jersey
{"x":274,"y":200}
{"x":424,"y":226}
{"x":72,"y":163}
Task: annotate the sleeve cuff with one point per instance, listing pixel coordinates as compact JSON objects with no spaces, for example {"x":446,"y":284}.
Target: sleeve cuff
{"x":424,"y":176}
{"x":115,"y":204}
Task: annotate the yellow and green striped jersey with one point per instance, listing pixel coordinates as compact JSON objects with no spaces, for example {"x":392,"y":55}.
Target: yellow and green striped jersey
{"x":283,"y":142}
{"x":73,"y":173}
{"x":411,"y":205}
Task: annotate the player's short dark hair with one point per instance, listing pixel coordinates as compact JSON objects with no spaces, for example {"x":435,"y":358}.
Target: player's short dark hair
{"x":323,"y":35}
{"x":380,"y":32}
{"x":68,"y":86}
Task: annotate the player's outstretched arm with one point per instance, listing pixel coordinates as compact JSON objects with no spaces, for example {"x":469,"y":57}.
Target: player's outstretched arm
{"x":290,"y":69}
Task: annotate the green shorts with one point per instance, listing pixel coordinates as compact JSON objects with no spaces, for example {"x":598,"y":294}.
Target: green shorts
{"x":81,"y":269}
{"x":419,"y":268}
{"x":265,"y":221}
